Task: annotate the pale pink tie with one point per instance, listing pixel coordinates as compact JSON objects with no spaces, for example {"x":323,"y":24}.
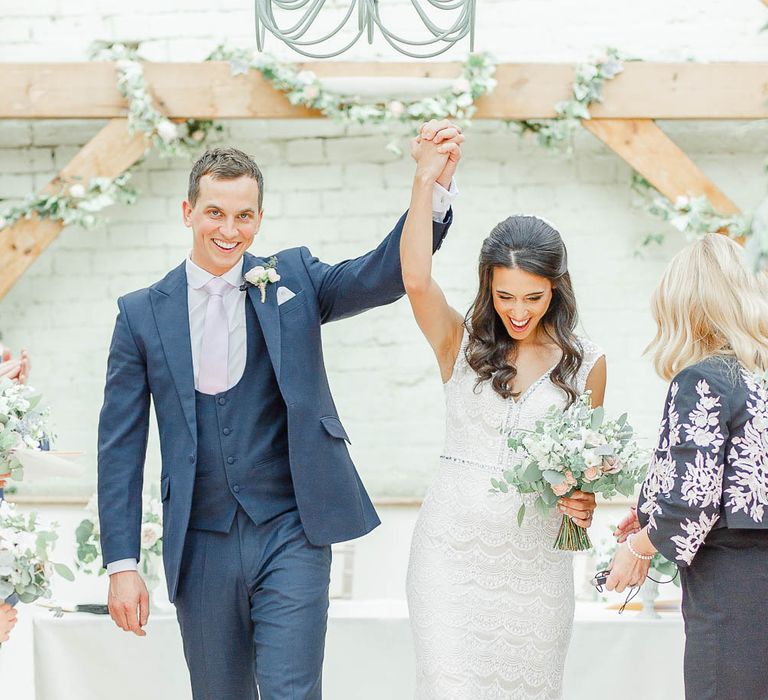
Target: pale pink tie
{"x":214,"y":353}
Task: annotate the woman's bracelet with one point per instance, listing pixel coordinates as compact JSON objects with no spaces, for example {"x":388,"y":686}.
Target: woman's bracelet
{"x":644,"y":557}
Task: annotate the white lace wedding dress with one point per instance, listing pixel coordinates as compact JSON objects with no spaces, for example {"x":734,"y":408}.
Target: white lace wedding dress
{"x":491,"y":603}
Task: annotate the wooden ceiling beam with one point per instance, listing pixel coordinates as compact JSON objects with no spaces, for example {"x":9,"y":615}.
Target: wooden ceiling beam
{"x":642,"y":144}
{"x":525,"y":91}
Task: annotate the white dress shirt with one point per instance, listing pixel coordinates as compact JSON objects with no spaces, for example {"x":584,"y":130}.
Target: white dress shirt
{"x":234,"y":304}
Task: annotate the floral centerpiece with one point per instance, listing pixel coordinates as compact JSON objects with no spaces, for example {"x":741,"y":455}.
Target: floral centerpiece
{"x":569,"y":450}
{"x":26,"y":569}
{"x":23,"y":424}
{"x":88,"y":537}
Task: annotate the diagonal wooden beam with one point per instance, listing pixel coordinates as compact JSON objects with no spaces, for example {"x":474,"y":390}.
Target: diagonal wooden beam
{"x":658,"y":159}
{"x":108,"y":154}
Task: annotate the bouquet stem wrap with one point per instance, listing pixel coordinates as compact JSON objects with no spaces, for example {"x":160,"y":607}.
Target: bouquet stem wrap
{"x":572,"y":537}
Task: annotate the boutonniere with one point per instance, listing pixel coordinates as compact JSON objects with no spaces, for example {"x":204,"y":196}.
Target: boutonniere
{"x":260,"y":276}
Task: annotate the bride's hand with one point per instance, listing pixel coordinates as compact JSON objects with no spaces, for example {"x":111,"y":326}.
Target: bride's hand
{"x":437,"y":151}
{"x":579,"y":506}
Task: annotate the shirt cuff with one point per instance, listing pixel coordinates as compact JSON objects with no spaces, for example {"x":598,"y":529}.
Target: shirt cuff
{"x":116,"y":567}
{"x":442,"y":200}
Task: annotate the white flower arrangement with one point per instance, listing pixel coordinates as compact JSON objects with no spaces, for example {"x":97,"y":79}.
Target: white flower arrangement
{"x":694,"y":217}
{"x":304,"y":88}
{"x":568,"y":450}
{"x":260,"y":276}
{"x":167,"y":138}
{"x":23,"y":424}
{"x":88,"y":537}
{"x":25,"y":566}
{"x":557,"y":134}
{"x":76,"y":203}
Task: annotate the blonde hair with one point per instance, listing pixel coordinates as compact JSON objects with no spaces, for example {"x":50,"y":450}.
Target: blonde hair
{"x":709,"y":303}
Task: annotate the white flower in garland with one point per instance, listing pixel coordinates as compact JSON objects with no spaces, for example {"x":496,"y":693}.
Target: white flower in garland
{"x":75,"y":204}
{"x":557,"y":133}
{"x":168,"y":139}
{"x":304,"y":88}
{"x":692,"y":216}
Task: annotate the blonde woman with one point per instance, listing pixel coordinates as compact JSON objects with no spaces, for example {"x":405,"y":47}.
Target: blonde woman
{"x":703,"y":504}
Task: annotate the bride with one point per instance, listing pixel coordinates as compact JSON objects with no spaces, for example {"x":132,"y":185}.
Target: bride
{"x":491,"y":602}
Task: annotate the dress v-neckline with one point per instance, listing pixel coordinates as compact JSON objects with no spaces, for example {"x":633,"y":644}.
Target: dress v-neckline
{"x":531,"y":387}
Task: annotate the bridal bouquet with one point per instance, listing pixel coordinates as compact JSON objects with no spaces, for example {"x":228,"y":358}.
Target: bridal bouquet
{"x":25,"y":565}
{"x":23,"y":425}
{"x":569,"y":450}
{"x":88,"y":537}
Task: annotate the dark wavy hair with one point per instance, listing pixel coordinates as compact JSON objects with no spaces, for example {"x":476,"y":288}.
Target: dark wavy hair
{"x":530,"y":244}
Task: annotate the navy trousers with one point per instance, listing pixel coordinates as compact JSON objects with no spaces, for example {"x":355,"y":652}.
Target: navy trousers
{"x":253,"y":609}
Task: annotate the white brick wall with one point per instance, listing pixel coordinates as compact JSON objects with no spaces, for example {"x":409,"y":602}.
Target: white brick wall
{"x":339,"y":191}
{"x":539,"y":30}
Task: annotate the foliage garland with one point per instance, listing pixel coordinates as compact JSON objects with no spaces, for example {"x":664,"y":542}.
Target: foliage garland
{"x":79,"y":203}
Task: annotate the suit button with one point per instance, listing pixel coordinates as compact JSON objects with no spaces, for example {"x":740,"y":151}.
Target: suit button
{"x":192,"y":459}
{"x":226,"y":431}
{"x":230,"y":460}
{"x":236,"y":488}
{"x":222,"y":401}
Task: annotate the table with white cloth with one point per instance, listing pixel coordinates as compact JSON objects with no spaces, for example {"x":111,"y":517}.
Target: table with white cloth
{"x":368,"y":656}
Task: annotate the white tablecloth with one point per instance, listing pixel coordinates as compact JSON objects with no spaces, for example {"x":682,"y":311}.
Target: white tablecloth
{"x":368,"y":656}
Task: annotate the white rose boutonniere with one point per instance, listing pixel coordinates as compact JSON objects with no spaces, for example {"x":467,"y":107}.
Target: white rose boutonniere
{"x":260,"y":276}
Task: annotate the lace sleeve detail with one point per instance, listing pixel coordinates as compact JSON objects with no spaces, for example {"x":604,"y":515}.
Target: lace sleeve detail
{"x":592,"y":353}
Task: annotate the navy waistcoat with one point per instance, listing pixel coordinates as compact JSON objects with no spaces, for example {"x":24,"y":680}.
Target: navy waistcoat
{"x":242,"y":437}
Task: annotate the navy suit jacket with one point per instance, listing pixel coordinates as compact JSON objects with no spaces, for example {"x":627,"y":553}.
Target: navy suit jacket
{"x":151,"y":358}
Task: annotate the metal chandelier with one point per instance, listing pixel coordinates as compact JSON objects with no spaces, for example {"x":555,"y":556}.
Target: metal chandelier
{"x":437,"y":39}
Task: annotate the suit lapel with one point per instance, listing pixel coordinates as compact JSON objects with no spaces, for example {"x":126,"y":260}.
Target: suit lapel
{"x":267,"y":312}
{"x":171,"y":308}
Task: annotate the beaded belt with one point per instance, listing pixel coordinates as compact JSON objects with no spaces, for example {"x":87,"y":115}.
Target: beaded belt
{"x":484,"y":466}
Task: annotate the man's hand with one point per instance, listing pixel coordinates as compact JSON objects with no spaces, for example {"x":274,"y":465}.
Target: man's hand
{"x":4,"y":479}
{"x":448,"y":138}
{"x":129,"y":602}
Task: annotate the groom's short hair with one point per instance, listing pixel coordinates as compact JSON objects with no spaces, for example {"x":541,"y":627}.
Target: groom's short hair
{"x":224,"y":164}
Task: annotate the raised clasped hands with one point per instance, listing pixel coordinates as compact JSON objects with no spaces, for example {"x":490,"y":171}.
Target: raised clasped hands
{"x":437,"y":151}
{"x":129,"y":602}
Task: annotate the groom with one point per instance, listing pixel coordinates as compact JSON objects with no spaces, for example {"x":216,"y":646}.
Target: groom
{"x":256,"y":478}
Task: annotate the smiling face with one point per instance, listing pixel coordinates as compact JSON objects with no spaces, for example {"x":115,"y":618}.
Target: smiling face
{"x":224,"y":220}
{"x":521,"y":300}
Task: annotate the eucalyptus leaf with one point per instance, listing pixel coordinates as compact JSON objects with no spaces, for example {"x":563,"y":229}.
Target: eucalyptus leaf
{"x":542,"y":508}
{"x":64,"y":572}
{"x":520,"y":515}
{"x":553,"y":477}
{"x":531,"y":473}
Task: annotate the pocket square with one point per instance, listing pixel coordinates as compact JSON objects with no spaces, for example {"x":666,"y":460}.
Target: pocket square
{"x":283,"y":295}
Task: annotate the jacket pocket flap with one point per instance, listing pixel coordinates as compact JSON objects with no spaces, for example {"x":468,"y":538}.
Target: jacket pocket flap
{"x":334,"y":428}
